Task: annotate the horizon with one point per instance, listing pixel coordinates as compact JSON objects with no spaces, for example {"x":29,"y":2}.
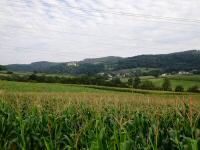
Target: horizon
{"x":94,"y":58}
{"x":63,"y":31}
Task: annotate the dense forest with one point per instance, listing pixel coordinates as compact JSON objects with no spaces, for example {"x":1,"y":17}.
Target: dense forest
{"x":184,"y":61}
{"x":2,"y":67}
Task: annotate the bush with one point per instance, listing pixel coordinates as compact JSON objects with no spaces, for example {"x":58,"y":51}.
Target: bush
{"x":33,"y":77}
{"x":130,"y":82}
{"x":179,"y":88}
{"x":137,"y":83}
{"x":166,"y":85}
{"x":9,"y":72}
{"x":2,"y":67}
{"x":147,"y":85}
{"x":194,"y":89}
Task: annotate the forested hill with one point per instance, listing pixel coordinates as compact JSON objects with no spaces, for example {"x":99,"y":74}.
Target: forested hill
{"x":36,"y":66}
{"x":186,"y":60}
{"x":2,"y":67}
{"x":181,"y":61}
{"x":104,"y":60}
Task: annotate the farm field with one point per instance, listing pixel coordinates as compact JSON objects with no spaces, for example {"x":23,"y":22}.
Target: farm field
{"x":56,"y":116}
{"x":11,"y":86}
{"x":99,"y":75}
{"x":186,"y":81}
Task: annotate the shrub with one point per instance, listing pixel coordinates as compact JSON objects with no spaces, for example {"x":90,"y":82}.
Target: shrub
{"x":2,"y":67}
{"x":130,"y":82}
{"x":137,"y":83}
{"x":194,"y":89}
{"x":166,"y":85}
{"x":33,"y":77}
{"x":148,"y":85}
{"x":9,"y":72}
{"x":179,"y":88}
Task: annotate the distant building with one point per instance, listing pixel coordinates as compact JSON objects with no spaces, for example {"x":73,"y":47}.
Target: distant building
{"x":164,"y":75}
{"x":183,"y":73}
{"x":101,"y":73}
{"x":73,"y":63}
{"x":110,"y":76}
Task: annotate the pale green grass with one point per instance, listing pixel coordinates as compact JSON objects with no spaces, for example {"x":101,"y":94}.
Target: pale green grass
{"x":12,"y":86}
{"x":185,"y":83}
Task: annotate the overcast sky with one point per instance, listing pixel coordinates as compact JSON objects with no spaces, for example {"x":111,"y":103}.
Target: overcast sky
{"x":67,"y":30}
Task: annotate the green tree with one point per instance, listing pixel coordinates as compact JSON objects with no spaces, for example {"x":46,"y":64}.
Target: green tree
{"x":148,"y":85}
{"x":9,"y":72}
{"x":166,"y":86}
{"x":137,"y":82}
{"x":194,"y":89}
{"x":179,"y":88}
{"x":2,"y":67}
{"x":33,"y":77}
{"x":155,"y":73}
{"x":130,"y":81}
{"x":116,"y":81}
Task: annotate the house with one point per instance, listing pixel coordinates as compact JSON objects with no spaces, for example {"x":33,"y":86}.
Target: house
{"x":73,"y":63}
{"x":183,"y":73}
{"x":164,"y":75}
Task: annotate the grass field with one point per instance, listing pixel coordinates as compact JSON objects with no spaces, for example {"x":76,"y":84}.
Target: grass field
{"x":56,"y":116}
{"x":41,"y":87}
{"x":185,"y":83}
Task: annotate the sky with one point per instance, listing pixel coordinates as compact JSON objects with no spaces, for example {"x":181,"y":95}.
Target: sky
{"x":71,"y":30}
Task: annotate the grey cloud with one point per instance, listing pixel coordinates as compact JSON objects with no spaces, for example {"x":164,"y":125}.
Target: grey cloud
{"x":52,"y":30}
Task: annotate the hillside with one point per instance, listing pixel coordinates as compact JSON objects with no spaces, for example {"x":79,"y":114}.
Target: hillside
{"x":181,"y":61}
{"x":36,"y":66}
{"x":2,"y":67}
{"x":104,"y":60}
{"x":187,"y":60}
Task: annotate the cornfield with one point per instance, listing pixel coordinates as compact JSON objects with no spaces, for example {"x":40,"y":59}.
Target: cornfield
{"x":116,"y":121}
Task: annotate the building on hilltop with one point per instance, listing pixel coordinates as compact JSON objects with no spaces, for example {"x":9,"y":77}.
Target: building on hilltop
{"x":73,"y":63}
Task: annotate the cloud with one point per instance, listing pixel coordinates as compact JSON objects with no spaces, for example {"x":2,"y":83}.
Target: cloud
{"x":66,"y":30}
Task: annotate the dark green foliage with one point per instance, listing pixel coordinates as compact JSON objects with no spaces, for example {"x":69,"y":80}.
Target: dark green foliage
{"x":85,"y":79}
{"x":33,"y":77}
{"x":9,"y":72}
{"x":166,"y":86}
{"x":194,"y":89}
{"x":116,"y":81}
{"x":148,"y":85}
{"x":48,"y":67}
{"x":36,"y":66}
{"x":136,"y":83}
{"x":2,"y":68}
{"x":89,"y":69}
{"x":103,"y":60}
{"x":179,"y":88}
{"x":186,"y":61}
{"x":130,"y":82}
{"x":155,"y":73}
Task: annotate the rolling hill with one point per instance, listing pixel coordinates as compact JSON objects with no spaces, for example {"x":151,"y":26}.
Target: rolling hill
{"x":181,"y":61}
{"x":187,"y":60}
{"x":36,"y":66}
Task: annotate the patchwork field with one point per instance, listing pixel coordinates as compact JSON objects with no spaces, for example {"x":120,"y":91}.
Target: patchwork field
{"x":57,"y":116}
{"x":186,"y":81}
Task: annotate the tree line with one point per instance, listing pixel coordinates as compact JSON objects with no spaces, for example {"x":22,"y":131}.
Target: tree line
{"x":166,"y":85}
{"x":100,"y":80}
{"x":84,"y":79}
